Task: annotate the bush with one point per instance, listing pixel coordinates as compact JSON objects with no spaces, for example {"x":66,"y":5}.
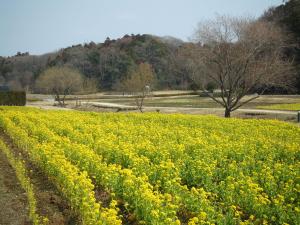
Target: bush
{"x":13,"y":98}
{"x":211,"y":86}
{"x":194,"y":86}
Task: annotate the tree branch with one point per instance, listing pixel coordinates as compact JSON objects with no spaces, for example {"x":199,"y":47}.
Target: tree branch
{"x":215,"y":99}
{"x":243,"y":103}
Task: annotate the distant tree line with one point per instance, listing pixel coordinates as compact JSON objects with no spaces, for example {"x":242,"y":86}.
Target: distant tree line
{"x":287,"y":16}
{"x":106,"y":63}
{"x":175,"y":63}
{"x":110,"y":62}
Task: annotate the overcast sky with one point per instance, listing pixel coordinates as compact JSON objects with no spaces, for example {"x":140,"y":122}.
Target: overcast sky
{"x":40,"y":26}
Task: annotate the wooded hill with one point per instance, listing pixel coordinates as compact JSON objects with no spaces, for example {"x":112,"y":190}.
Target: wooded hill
{"x":108,"y":63}
{"x":287,"y":16}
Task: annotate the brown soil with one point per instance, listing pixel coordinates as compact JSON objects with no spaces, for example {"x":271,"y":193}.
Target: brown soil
{"x":49,"y":202}
{"x":13,"y":200}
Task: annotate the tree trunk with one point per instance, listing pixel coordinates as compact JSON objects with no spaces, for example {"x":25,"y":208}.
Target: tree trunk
{"x":139,"y":103}
{"x":227,"y":113}
{"x":140,"y":106}
{"x":63,"y":101}
{"x":142,"y":103}
{"x":59,"y":100}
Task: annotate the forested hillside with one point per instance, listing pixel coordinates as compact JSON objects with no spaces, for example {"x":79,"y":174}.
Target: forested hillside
{"x":106,"y":64}
{"x":287,"y":16}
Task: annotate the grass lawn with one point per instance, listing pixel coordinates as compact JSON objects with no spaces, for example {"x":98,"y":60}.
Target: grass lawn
{"x":292,"y":107}
{"x":193,"y":101}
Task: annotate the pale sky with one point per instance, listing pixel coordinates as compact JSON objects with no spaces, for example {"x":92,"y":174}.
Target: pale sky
{"x":41,"y":26}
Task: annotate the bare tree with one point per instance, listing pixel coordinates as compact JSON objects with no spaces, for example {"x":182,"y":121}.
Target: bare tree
{"x":90,"y":85}
{"x":139,"y":82}
{"x":240,"y":56}
{"x":59,"y":81}
{"x":187,"y":63}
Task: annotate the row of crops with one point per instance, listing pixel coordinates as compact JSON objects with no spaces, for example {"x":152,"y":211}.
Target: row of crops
{"x":164,"y":169}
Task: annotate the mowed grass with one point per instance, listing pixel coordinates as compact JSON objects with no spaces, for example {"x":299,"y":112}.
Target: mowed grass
{"x":180,"y":101}
{"x":291,"y":107}
{"x":194,"y":101}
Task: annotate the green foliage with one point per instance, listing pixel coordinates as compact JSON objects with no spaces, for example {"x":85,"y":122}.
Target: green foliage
{"x":22,"y":174}
{"x":4,"y":67}
{"x":106,"y":63}
{"x":13,"y":98}
{"x":211,"y":86}
{"x":164,"y":169}
{"x":292,"y":107}
{"x":288,"y":17}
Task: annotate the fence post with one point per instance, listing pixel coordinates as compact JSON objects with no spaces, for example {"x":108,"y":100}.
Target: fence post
{"x":298,"y":116}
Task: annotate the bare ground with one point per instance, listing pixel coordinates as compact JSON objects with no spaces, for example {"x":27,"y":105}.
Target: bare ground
{"x":289,"y":116}
{"x":13,"y":200}
{"x":49,"y":202}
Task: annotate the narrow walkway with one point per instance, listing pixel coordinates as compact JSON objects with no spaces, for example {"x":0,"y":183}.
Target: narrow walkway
{"x":50,"y":203}
{"x":222,"y":110}
{"x":13,"y":200}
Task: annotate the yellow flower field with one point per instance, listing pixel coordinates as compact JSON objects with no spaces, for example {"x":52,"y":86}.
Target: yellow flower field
{"x":165,"y":169}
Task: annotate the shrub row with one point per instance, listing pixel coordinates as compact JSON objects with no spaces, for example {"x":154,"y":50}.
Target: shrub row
{"x":13,"y":98}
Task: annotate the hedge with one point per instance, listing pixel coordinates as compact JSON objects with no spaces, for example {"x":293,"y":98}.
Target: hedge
{"x":13,"y":98}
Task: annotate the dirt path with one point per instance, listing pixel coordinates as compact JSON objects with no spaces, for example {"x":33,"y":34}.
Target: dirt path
{"x":50,"y":203}
{"x":13,"y":200}
{"x":168,"y":109}
{"x":289,"y":116}
{"x":219,"y":110}
{"x":42,"y":105}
